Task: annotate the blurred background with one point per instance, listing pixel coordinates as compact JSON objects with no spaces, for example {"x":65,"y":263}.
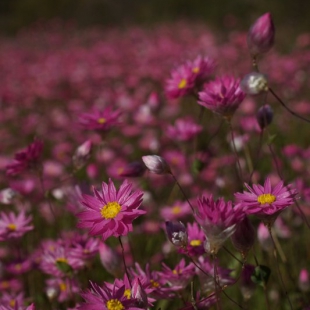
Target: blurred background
{"x":289,"y":16}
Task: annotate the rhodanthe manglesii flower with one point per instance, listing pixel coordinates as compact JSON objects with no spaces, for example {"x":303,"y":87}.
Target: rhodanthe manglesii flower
{"x":26,"y":159}
{"x":111,"y":212}
{"x":100,"y":120}
{"x":265,"y":201}
{"x":222,"y":96}
{"x":218,"y":220}
{"x":184,"y":130}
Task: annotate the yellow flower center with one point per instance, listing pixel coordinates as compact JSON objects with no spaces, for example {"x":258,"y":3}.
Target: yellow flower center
{"x":266,"y":198}
{"x":110,"y":210}
{"x":154,"y":283}
{"x":101,"y":120}
{"x":195,"y":242}
{"x":195,"y":70}
{"x":62,"y":286}
{"x":62,"y":260}
{"x":18,"y":267}
{"x":114,"y":304}
{"x":12,"y":303}
{"x":182,"y":84}
{"x":176,"y":210}
{"x":127,"y":293}
{"x":120,"y":170}
{"x":12,"y":226}
{"x":176,"y":271}
{"x":4,"y":284}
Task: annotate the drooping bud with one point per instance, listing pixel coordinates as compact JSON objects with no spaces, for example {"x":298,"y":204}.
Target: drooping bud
{"x":264,"y":116}
{"x":139,"y":294}
{"x":134,"y":169}
{"x":254,"y":83}
{"x":261,"y":35}
{"x":244,"y":236}
{"x":7,"y":196}
{"x":304,"y":280}
{"x":247,"y":286}
{"x":156,"y":164}
{"x":110,"y":260}
{"x":177,"y":233}
{"x":82,"y":154}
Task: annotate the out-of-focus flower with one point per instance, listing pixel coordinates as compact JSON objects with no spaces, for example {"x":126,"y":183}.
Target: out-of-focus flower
{"x":247,"y":286}
{"x":177,"y":234}
{"x":64,"y":288}
{"x":133,"y":170}
{"x":254,"y":83}
{"x":222,"y":96}
{"x":7,"y":196}
{"x":202,"y":68}
{"x":100,"y":120}
{"x":156,"y":164}
{"x":179,"y":209}
{"x":196,"y":239}
{"x":181,"y":83}
{"x":264,"y":116}
{"x":139,"y":294}
{"x":264,"y":238}
{"x":184,"y":130}
{"x":111,"y":212}
{"x":19,"y":267}
{"x":110,"y":260}
{"x":265,"y":201}
{"x":218,"y":220}
{"x":26,"y":159}
{"x":14,"y":226}
{"x":179,"y":276}
{"x":261,"y":35}
{"x":304,"y":280}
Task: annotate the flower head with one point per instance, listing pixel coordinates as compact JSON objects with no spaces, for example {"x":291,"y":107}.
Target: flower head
{"x":111,"y":212}
{"x":218,"y":220}
{"x":26,"y":159}
{"x":183,"y":130}
{"x":156,"y":164}
{"x":222,"y":96}
{"x":100,"y":120}
{"x":14,"y":226}
{"x":266,"y":201}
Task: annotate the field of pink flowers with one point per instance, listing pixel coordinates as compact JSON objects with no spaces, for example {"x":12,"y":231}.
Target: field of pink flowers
{"x":160,"y":168}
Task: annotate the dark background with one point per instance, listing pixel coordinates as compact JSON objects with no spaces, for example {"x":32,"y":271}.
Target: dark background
{"x":291,"y":16}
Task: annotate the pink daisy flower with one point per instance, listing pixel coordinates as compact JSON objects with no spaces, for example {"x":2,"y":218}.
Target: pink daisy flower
{"x":101,"y":298}
{"x":184,"y":130}
{"x":26,"y":159}
{"x":266,"y":201}
{"x":181,"y":83}
{"x":100,"y":120}
{"x":111,"y":212}
{"x":14,"y":226}
{"x":202,"y":68}
{"x":222,"y":96}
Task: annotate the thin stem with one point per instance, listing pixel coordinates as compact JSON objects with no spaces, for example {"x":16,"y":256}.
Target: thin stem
{"x":278,"y":268}
{"x":124,"y":261}
{"x":215,"y":133}
{"x":235,"y":257}
{"x":260,"y":143}
{"x":287,"y":108}
{"x":235,"y":151}
{"x":302,"y":213}
{"x":193,"y":301}
{"x":181,"y":189}
{"x":275,"y":161}
{"x":216,"y":280}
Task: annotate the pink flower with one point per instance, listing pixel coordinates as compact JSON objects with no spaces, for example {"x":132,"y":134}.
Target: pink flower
{"x":179,"y":209}
{"x":222,"y":96}
{"x":101,"y":298}
{"x":100,"y":120}
{"x":111,"y":212}
{"x":181,"y":83}
{"x":218,"y":220}
{"x":202,"y":68}
{"x":14,"y":226}
{"x":265,"y":201}
{"x":26,"y":159}
{"x":183,"y":130}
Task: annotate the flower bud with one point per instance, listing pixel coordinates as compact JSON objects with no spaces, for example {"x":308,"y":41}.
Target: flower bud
{"x":138,"y":293}
{"x":254,"y":83}
{"x":82,"y":154}
{"x":156,"y":164}
{"x":177,"y":233}
{"x":264,"y":116}
{"x":244,"y":236}
{"x":110,"y":260}
{"x":303,"y":280}
{"x":247,"y":286}
{"x":261,"y":35}
{"x":134,"y":169}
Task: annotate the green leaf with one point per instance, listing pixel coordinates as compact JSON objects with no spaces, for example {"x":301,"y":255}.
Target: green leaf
{"x":261,"y":275}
